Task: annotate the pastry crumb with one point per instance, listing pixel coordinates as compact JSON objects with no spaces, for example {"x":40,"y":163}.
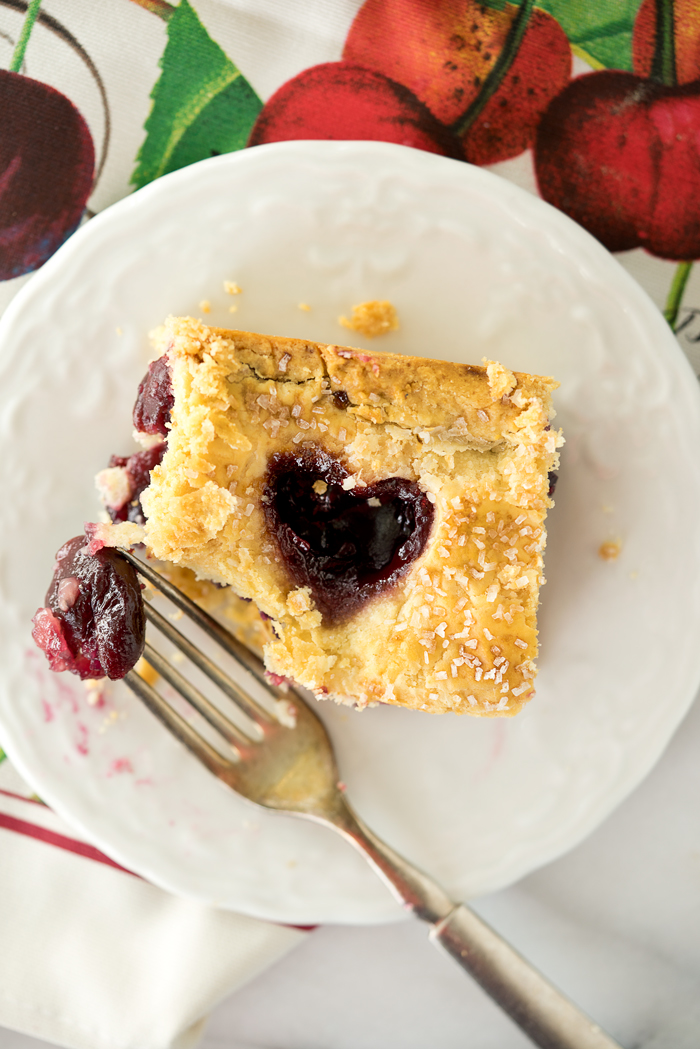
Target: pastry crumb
{"x":125,"y":535}
{"x":231,"y":288}
{"x":304,"y":306}
{"x":232,"y":309}
{"x":94,"y":691}
{"x":205,"y":306}
{"x":610,"y":550}
{"x":119,"y":331}
{"x":286,"y":713}
{"x":113,"y":486}
{"x":146,"y":440}
{"x":299,"y":601}
{"x":110,"y":721}
{"x":502,"y":382}
{"x":372,"y":318}
{"x":149,"y":674}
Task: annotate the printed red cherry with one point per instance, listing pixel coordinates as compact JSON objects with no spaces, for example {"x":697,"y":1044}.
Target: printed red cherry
{"x":686,"y":24}
{"x":47,"y":163}
{"x":620,"y":154}
{"x":337,"y":100}
{"x":443,"y":50}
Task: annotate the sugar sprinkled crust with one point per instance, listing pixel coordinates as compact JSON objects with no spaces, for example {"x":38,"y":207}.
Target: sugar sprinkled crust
{"x":458,"y":631}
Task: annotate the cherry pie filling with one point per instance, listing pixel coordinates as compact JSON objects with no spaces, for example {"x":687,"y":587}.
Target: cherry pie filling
{"x":138,"y":471}
{"x":155,"y":399}
{"x":151,"y":415}
{"x":93,"y":623}
{"x":347,"y":544}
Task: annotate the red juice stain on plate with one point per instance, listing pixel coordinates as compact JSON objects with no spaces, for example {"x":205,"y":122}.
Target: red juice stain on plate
{"x":120,"y":765}
{"x":81,"y":744}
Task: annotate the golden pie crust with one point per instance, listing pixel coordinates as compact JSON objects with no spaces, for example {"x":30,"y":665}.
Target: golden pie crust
{"x":458,"y":631}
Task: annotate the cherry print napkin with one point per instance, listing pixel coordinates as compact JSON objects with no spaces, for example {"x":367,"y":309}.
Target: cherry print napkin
{"x":592,"y":106}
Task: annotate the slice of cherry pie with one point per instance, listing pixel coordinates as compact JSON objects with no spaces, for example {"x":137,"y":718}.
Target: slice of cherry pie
{"x":385,"y":512}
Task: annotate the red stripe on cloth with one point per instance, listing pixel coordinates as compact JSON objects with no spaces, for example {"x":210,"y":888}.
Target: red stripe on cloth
{"x":60,"y":841}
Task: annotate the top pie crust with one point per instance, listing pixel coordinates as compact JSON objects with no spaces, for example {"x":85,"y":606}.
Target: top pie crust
{"x":458,"y":631}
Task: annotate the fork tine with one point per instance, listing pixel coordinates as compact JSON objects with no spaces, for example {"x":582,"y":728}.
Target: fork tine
{"x":176,"y":724}
{"x":248,"y":705}
{"x":231,"y":733}
{"x":228,"y":642}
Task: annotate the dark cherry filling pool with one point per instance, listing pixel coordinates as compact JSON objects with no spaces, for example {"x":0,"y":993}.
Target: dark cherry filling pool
{"x":154,"y":400}
{"x":93,"y":624}
{"x":346,"y":546}
{"x":138,"y":471}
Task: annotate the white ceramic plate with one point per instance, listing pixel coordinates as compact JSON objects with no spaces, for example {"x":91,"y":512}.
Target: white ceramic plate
{"x":475,"y":266}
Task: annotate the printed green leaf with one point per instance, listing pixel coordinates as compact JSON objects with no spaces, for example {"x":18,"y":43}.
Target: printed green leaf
{"x":202,"y":104}
{"x":597,"y":28}
{"x":3,"y":755}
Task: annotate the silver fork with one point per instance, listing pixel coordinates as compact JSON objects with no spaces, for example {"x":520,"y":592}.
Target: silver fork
{"x":291,"y":768}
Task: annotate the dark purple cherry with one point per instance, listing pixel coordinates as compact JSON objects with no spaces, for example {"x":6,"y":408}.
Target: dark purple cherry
{"x":138,"y":471}
{"x":346,"y":546}
{"x":154,"y":400}
{"x":47,"y":162}
{"x":93,"y":624}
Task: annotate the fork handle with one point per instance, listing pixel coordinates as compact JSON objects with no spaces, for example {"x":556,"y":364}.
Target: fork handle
{"x":547,"y":1016}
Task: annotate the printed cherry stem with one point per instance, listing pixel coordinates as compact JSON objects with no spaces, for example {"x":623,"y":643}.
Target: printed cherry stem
{"x":675,"y":295}
{"x":161,"y":8}
{"x":663,"y":65}
{"x":27,"y":26}
{"x":499,"y":69}
{"x":663,"y":70}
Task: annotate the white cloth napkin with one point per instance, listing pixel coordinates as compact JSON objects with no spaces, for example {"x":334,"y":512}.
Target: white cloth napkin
{"x":93,"y":957}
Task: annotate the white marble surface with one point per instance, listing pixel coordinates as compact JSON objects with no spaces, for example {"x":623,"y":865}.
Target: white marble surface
{"x":616,"y":923}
